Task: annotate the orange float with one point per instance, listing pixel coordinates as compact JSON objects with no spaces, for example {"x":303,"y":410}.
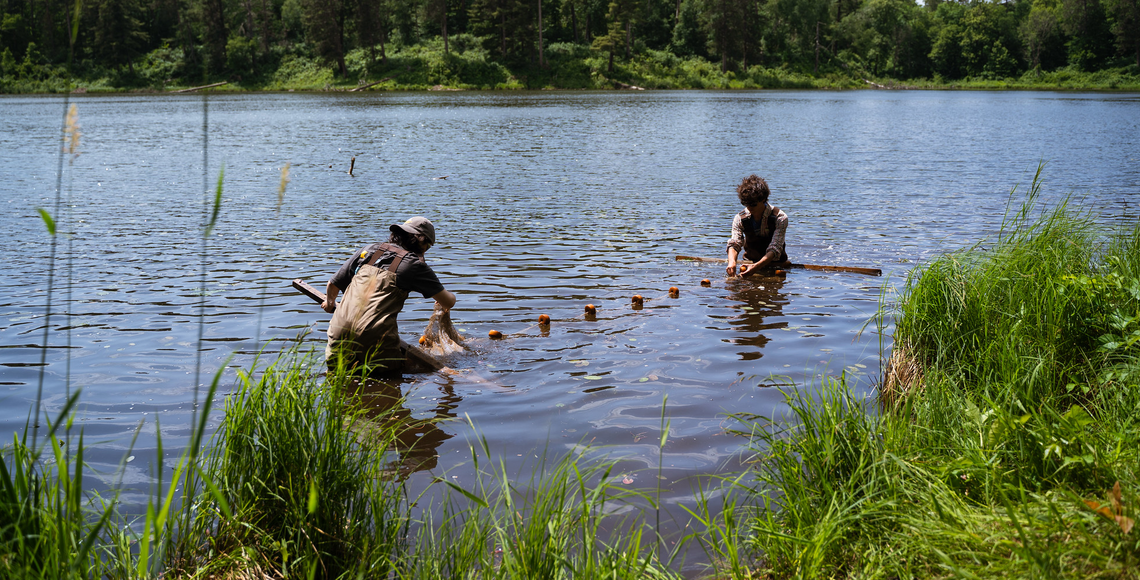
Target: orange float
{"x":543,"y":319}
{"x":706,"y":282}
{"x":495,"y":334}
{"x":674,"y":292}
{"x":591,"y":310}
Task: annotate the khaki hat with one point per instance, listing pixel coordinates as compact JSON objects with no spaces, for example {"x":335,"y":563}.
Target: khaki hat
{"x":417,"y":225}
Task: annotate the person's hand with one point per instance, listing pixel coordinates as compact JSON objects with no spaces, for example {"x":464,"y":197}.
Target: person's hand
{"x":328,"y":305}
{"x":730,"y":270}
{"x":441,"y":308}
{"x":748,"y":269}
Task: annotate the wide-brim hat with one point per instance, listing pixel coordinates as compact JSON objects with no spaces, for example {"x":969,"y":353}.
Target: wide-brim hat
{"x":417,"y":225}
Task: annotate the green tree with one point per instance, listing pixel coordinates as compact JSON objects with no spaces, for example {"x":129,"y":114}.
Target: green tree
{"x":117,"y":31}
{"x":727,"y":27}
{"x":946,"y":54}
{"x":240,"y":54}
{"x":1126,"y":26}
{"x":324,"y":27}
{"x":509,"y":27}
{"x":1042,"y":37}
{"x":792,"y":29}
{"x":890,"y":36}
{"x":435,"y":17}
{"x":216,"y":34}
{"x":373,"y":20}
{"x":619,"y":30}
{"x":654,"y":25}
{"x":689,"y":38}
{"x":1086,"y":23}
{"x":987,"y":40}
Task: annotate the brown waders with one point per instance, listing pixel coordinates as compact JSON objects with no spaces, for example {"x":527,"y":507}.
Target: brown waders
{"x":363,"y":333}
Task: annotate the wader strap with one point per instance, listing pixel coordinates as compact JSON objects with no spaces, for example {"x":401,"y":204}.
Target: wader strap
{"x":400,"y":253}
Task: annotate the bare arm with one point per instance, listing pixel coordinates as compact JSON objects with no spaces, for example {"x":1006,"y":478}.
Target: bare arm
{"x":735,"y":244}
{"x":445,"y":298}
{"x":331,"y":291}
{"x":731,"y":268}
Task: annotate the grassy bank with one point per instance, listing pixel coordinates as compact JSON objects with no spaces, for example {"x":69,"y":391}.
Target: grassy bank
{"x":467,"y":65}
{"x":1005,"y":440}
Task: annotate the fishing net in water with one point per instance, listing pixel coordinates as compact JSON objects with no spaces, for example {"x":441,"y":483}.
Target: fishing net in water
{"x":440,"y":337}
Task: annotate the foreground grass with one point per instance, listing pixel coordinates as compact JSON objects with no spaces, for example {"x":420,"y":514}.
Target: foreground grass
{"x":1006,"y":439}
{"x":302,"y":481}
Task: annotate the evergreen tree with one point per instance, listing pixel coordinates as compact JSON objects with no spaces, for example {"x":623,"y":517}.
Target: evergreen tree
{"x":117,"y":31}
{"x":373,"y":19}
{"x":324,"y":27}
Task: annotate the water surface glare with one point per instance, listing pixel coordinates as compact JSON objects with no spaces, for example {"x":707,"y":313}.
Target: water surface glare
{"x":551,"y":201}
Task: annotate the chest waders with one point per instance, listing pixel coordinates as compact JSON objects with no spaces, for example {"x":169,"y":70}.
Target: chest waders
{"x":756,"y":240}
{"x":363,"y":331}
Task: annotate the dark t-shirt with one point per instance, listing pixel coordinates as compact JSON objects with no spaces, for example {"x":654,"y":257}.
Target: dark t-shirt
{"x":412,"y":275}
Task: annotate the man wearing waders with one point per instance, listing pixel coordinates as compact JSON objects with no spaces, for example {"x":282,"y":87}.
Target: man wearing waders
{"x":376,"y":281}
{"x":757,"y":231}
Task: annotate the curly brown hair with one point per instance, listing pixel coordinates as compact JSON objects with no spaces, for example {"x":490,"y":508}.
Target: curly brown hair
{"x":752,"y":191}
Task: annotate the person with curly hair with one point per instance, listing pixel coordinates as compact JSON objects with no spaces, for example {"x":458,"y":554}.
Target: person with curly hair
{"x":757,"y":231}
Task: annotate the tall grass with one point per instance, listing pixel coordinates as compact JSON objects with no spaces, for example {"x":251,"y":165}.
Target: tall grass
{"x":299,"y":483}
{"x":560,"y":524}
{"x":47,"y":528}
{"x":1005,"y":440}
{"x":301,"y":492}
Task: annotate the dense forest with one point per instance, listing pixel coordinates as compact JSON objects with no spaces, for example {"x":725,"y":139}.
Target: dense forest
{"x":280,"y":44}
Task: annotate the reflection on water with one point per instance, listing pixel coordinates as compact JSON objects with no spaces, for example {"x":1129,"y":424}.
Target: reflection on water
{"x":417,"y":439}
{"x":762,"y":300}
{"x":552,"y":201}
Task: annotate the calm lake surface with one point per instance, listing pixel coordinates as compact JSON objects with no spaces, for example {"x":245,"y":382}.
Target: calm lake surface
{"x":551,"y":201}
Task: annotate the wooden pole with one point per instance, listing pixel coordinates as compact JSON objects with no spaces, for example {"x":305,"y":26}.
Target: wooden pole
{"x":414,"y":354}
{"x":369,"y":85}
{"x":192,"y":89}
{"x":816,"y":267}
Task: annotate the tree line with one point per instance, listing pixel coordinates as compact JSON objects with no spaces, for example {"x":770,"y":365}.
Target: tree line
{"x":212,"y":39}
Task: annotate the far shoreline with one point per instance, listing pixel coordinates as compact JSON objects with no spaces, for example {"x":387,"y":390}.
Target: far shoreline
{"x":954,"y":87}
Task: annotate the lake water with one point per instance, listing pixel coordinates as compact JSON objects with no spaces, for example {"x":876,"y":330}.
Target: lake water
{"x":551,"y":201}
